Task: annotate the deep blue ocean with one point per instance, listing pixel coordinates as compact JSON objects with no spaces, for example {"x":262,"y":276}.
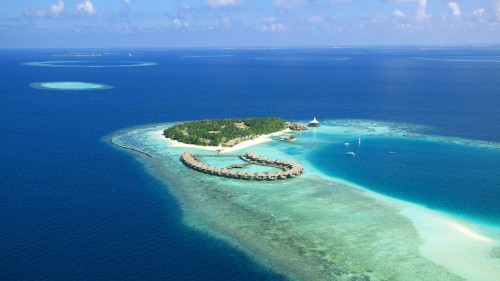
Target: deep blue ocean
{"x":73,"y":207}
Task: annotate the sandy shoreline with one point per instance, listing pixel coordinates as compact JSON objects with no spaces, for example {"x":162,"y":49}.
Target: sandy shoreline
{"x":239,"y":146}
{"x":458,"y":246}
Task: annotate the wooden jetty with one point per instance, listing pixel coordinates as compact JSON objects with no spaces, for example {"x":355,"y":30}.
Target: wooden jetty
{"x":288,"y":169}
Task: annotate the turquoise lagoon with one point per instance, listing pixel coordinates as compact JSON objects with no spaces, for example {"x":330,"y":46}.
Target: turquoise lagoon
{"x":69,"y":85}
{"x":408,"y":206}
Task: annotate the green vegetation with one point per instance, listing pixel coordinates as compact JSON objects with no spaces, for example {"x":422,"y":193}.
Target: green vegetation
{"x":225,"y":132}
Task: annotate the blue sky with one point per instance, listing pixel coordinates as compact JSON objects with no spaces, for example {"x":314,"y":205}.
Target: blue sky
{"x":232,"y":23}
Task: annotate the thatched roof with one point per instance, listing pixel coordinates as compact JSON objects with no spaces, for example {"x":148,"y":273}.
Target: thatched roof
{"x":240,"y":125}
{"x":289,"y":169}
{"x":282,"y":174}
{"x":272,"y":175}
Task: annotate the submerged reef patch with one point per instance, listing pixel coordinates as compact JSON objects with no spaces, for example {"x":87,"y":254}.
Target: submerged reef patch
{"x":207,"y":56}
{"x":90,"y":63}
{"x":69,"y":85}
{"x":304,"y":58}
{"x":462,"y":58}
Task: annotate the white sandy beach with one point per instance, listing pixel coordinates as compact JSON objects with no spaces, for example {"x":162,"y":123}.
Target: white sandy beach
{"x":239,"y":146}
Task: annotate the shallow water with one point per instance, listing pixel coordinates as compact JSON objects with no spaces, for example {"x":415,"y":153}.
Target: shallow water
{"x":69,"y":86}
{"x":315,"y":226}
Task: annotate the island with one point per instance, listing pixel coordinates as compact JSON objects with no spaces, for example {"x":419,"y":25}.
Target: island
{"x":222,"y":133}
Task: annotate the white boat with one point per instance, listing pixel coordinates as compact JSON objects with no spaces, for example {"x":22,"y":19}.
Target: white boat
{"x":350,"y":153}
{"x":346,"y":144}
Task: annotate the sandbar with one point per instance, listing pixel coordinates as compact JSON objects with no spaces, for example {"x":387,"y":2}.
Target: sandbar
{"x":69,"y":85}
{"x":88,"y":63}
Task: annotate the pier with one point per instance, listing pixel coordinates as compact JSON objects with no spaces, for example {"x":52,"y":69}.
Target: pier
{"x":288,"y":169}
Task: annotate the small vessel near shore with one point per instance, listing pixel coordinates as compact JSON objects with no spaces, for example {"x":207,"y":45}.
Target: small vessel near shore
{"x":350,"y":153}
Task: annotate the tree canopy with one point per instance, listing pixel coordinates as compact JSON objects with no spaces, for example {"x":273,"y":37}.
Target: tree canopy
{"x":225,"y":132}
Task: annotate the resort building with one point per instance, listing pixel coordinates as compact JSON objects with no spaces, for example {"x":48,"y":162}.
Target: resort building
{"x":314,"y":123}
{"x":288,"y":169}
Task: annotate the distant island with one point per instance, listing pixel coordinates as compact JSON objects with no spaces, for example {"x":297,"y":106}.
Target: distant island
{"x":224,"y":132}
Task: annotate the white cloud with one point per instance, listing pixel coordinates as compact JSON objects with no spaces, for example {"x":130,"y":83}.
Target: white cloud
{"x":479,"y":14}
{"x":34,"y":12}
{"x":87,"y":7}
{"x":57,"y":9}
{"x":184,"y":11}
{"x":222,"y":3}
{"x":288,"y":4}
{"x":127,"y":2}
{"x":398,"y":13}
{"x":496,"y":9}
{"x":178,"y":23}
{"x":421,"y":10}
{"x":271,"y":25}
{"x":454,"y":8}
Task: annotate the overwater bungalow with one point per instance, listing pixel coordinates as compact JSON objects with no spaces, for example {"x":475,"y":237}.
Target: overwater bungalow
{"x":289,"y":169}
{"x":272,"y":176}
{"x":261,"y":159}
{"x":281,"y":175}
{"x":250,"y":176}
{"x":233,"y":174}
{"x":260,"y":176}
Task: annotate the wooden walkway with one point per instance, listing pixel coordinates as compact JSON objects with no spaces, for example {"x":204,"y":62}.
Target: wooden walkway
{"x":222,"y":155}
